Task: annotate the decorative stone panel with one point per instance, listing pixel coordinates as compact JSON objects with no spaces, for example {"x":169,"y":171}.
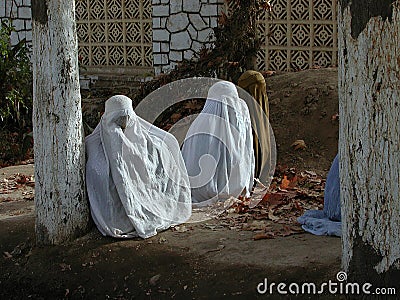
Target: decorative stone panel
{"x":297,"y":35}
{"x":115,"y":36}
{"x":125,"y":37}
{"x":181,"y":28}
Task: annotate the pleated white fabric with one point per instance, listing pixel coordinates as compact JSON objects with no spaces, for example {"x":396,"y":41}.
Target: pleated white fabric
{"x":136,"y":179}
{"x":218,"y":148}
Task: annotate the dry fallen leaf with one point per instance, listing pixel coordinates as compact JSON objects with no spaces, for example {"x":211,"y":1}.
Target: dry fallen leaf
{"x":181,"y":228}
{"x":311,"y":173}
{"x":223,"y":19}
{"x":255,"y":225}
{"x":278,"y":205}
{"x":297,"y":205}
{"x":299,"y":145}
{"x":192,"y":105}
{"x":162,"y":240}
{"x":293,"y":181}
{"x":219,"y":248}
{"x":153,"y":280}
{"x":285,"y":183}
{"x":21,"y":178}
{"x":272,"y":217}
{"x":8,"y":199}
{"x":175,"y":117}
{"x":275,"y":198}
{"x":289,"y":230}
{"x":167,"y":127}
{"x":263,"y":236}
{"x":335,"y":117}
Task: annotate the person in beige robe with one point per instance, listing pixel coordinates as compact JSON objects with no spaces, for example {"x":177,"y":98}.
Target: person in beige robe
{"x":254,"y":83}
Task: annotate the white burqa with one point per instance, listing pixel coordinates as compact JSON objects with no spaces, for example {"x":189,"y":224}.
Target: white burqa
{"x":218,"y":148}
{"x":136,"y":180}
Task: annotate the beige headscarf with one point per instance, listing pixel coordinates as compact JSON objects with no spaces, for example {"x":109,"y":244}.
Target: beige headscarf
{"x":254,"y":83}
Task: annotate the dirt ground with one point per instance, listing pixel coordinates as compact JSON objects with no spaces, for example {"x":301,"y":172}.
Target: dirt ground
{"x":304,"y":106}
{"x":203,"y":260}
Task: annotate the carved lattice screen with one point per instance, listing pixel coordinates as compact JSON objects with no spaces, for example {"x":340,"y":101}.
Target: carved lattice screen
{"x":297,"y":35}
{"x":114,"y":35}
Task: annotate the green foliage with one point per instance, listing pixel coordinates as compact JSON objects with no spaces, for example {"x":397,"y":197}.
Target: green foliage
{"x":15,"y":81}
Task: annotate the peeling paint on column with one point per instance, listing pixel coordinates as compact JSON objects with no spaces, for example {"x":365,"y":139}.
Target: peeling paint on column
{"x":57,"y":122}
{"x":369,"y":133}
{"x":365,"y":10}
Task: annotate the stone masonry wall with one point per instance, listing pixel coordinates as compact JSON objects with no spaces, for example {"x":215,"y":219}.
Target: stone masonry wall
{"x":181,"y":28}
{"x":19,"y":11}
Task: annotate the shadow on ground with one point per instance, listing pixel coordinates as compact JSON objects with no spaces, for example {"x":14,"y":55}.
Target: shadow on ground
{"x":204,"y":261}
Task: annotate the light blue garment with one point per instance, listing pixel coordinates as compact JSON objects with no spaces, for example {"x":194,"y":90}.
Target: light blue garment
{"x":218,"y":148}
{"x":136,"y":180}
{"x":328,"y":220}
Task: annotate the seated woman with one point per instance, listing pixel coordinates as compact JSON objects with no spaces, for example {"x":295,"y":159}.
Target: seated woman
{"x":218,"y":150}
{"x":254,"y":83}
{"x":327,"y":221}
{"x":136,"y":180}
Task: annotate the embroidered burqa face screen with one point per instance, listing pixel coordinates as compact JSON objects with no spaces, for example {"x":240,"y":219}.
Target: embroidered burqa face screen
{"x":136,"y":179}
{"x":218,"y":148}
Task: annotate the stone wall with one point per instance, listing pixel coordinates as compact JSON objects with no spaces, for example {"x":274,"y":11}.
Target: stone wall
{"x":19,"y":11}
{"x":181,"y":28}
{"x":132,"y":37}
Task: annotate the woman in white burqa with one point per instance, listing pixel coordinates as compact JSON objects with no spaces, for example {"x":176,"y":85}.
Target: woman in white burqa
{"x":136,"y":180}
{"x":218,"y":148}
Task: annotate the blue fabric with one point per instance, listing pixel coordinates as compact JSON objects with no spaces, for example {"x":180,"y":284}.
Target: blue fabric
{"x":332,"y":192}
{"x":328,"y":220}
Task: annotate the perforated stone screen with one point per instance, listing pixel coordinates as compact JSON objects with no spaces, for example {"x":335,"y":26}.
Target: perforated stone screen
{"x":114,"y":36}
{"x":297,"y":35}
